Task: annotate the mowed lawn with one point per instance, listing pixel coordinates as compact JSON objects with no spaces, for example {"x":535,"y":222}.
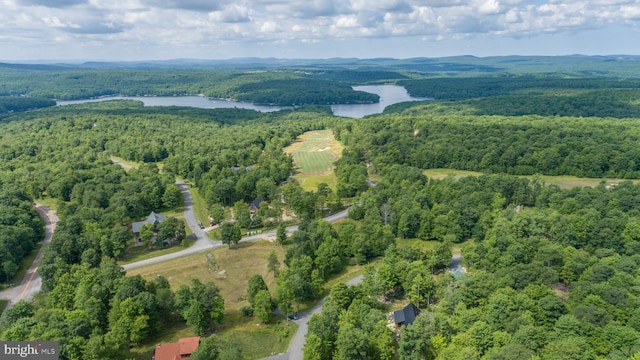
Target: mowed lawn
{"x":562,"y":181}
{"x":314,"y":153}
{"x":234,"y":268}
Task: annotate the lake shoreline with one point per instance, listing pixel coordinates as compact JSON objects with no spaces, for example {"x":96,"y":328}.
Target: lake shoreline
{"x":389,"y":95}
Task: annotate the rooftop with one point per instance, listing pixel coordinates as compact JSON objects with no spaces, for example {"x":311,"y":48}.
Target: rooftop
{"x":180,"y":350}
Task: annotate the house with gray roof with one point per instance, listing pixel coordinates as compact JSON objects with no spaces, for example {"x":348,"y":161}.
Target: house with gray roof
{"x":406,"y":315}
{"x":153,"y":218}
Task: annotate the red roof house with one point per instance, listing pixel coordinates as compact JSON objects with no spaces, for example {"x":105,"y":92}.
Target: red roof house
{"x":180,"y":350}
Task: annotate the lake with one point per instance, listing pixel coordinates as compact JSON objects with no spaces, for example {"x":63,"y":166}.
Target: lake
{"x":389,"y":94}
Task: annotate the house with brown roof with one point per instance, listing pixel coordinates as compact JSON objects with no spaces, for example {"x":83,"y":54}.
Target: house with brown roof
{"x":180,"y":350}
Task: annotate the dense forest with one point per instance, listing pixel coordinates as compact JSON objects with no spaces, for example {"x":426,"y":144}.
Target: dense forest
{"x":550,"y":272}
{"x":553,"y":279}
{"x":467,"y":88}
{"x":63,"y":153}
{"x":423,"y":137}
{"x":284,"y":88}
{"x":10,"y":104}
{"x":20,"y":229}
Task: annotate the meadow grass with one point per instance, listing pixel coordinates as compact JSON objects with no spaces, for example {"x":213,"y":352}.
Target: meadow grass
{"x":314,"y":153}
{"x":235,"y":267}
{"x":422,"y":245}
{"x":199,"y":206}
{"x":138,"y":253}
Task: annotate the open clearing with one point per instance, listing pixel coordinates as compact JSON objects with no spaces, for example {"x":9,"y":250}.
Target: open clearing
{"x":314,"y":153}
{"x":562,"y":181}
{"x":234,"y":268}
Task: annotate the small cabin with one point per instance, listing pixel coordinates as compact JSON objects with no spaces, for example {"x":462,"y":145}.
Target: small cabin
{"x":406,"y":315}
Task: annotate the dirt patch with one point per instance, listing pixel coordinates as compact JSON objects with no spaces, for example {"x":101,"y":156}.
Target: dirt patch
{"x":562,"y":290}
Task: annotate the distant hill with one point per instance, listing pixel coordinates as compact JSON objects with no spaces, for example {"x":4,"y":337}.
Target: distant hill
{"x":601,"y":65}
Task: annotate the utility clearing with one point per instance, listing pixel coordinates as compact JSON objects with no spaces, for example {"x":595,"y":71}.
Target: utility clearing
{"x":314,"y":153}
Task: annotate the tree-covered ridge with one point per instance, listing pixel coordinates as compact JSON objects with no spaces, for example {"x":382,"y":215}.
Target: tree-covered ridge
{"x":615,"y":103}
{"x":18,"y":103}
{"x":298,"y":91}
{"x":458,"y":88}
{"x":361,"y":76}
{"x":524,"y":145}
{"x":283,"y":87}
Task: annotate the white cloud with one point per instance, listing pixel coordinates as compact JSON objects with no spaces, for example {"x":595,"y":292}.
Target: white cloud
{"x":231,"y":14}
{"x":193,"y":24}
{"x":52,"y":4}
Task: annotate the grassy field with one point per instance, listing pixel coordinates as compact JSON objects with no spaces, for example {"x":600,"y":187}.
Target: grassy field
{"x":138,"y":253}
{"x":419,"y":244}
{"x":199,"y":206}
{"x":423,"y":245}
{"x":235,"y":267}
{"x":314,"y":153}
{"x":563,"y":181}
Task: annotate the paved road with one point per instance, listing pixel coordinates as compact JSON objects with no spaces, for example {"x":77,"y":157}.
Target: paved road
{"x":202,"y":241}
{"x":272,"y":233}
{"x":297,"y":343}
{"x":32,"y":282}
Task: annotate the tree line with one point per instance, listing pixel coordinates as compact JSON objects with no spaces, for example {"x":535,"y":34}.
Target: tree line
{"x":275,"y":87}
{"x":465,"y":87}
{"x":9,"y":104}
{"x":21,"y":228}
{"x":520,"y":145}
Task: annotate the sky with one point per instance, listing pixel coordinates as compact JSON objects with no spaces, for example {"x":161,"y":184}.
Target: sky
{"x":214,"y":29}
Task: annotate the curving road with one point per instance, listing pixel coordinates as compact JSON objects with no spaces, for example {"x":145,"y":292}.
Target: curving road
{"x":202,"y":241}
{"x":32,"y":281}
{"x":297,"y":343}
